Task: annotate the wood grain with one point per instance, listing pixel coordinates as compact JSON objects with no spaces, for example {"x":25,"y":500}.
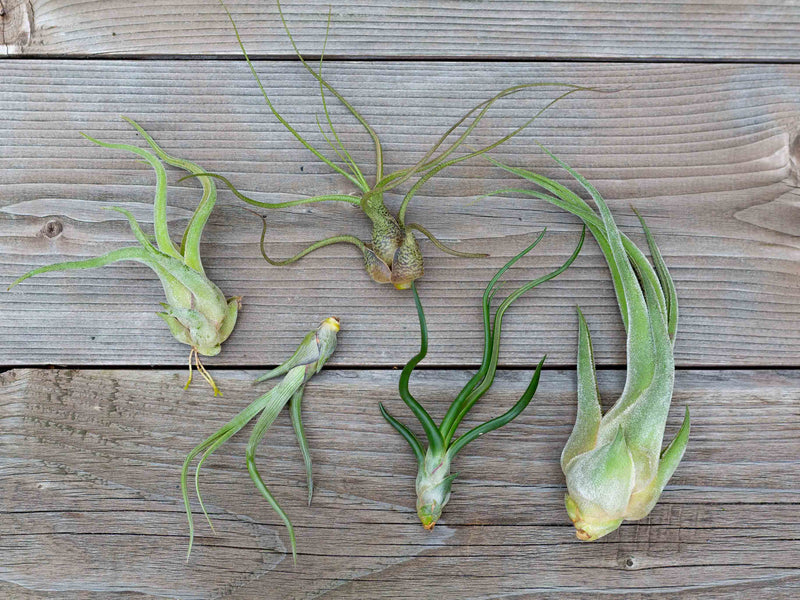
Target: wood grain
{"x":92,"y":509}
{"x":706,"y":153}
{"x":705,"y":29}
{"x":90,"y":506}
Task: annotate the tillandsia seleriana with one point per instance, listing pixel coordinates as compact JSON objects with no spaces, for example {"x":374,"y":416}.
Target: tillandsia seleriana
{"x":309,"y":358}
{"x":613,"y":463}
{"x":196,"y":311}
{"x":434,"y":479}
{"x":393,"y":254}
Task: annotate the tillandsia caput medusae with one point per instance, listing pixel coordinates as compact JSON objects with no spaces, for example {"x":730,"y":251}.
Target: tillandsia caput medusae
{"x":196,"y":311}
{"x":434,"y":479}
{"x":393,"y":254}
{"x":613,"y":463}
{"x":309,"y":358}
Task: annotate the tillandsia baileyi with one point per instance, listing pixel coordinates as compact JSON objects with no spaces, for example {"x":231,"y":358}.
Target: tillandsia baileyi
{"x":434,"y":479}
{"x":613,"y":463}
{"x":393,"y":254}
{"x":309,"y":358}
{"x":196,"y":311}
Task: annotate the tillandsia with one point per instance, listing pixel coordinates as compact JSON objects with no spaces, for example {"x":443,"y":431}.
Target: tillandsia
{"x":196,"y":311}
{"x":393,"y":254}
{"x":613,"y":463}
{"x":309,"y":358}
{"x":434,"y":479}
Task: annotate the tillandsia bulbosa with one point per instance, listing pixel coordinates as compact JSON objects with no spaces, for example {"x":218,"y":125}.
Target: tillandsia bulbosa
{"x":393,"y":254}
{"x":196,"y":311}
{"x":434,"y":479}
{"x":613,"y":463}
{"x":309,"y":358}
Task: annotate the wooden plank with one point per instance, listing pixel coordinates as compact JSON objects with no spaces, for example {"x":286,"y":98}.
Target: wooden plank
{"x":92,"y":509}
{"x":701,"y":29}
{"x":707,"y":153}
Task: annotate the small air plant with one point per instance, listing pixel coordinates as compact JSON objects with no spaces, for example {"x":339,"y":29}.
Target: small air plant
{"x":309,"y":358}
{"x":613,"y":463}
{"x":393,"y":254}
{"x":433,"y":476}
{"x":196,"y":311}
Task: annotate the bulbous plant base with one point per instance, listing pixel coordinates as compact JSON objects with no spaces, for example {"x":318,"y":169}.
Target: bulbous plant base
{"x":212,"y":336}
{"x":586,"y":529}
{"x":433,"y":488}
{"x":394,"y":257}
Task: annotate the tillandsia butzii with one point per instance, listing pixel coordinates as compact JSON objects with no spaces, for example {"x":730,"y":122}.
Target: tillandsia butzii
{"x":434,"y":479}
{"x":613,"y":463}
{"x":309,"y":358}
{"x":393,"y":254}
{"x":196,"y":311}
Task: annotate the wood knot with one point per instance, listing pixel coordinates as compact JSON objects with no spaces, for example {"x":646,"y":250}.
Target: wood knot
{"x":16,"y":29}
{"x":52,"y":228}
{"x":629,"y":563}
{"x":794,"y":159}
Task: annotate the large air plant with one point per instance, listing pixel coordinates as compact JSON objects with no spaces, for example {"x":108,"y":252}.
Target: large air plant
{"x":393,"y":254}
{"x":613,"y":463}
{"x":434,"y":479}
{"x":196,"y":311}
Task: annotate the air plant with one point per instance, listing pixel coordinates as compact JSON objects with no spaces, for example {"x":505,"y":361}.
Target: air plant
{"x":613,"y":463}
{"x":309,"y":358}
{"x":196,"y":311}
{"x":434,"y":479}
{"x":393,"y":254}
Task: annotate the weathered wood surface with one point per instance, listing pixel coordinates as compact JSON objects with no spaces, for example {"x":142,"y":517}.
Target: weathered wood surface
{"x":706,"y":152}
{"x":710,"y":29}
{"x":89,"y":502}
{"x":91,"y":506}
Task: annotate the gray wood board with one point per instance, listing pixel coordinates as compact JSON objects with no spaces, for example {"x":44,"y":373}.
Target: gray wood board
{"x":510,"y":28}
{"x":706,"y":153}
{"x":92,"y":508}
